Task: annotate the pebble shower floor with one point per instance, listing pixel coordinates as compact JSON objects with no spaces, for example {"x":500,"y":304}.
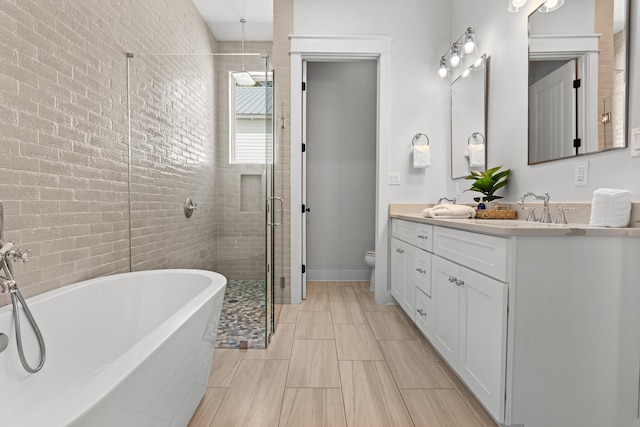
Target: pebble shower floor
{"x":243,"y":316}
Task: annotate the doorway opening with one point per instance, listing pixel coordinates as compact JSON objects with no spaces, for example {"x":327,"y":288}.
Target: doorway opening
{"x":340,"y":173}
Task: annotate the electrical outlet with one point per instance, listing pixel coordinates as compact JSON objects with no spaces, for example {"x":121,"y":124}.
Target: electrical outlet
{"x":394,"y":178}
{"x":581,"y":174}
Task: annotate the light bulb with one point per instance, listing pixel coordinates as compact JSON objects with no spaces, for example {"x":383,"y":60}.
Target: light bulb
{"x":469,"y":46}
{"x":478,"y":62}
{"x":515,"y":5}
{"x":443,"y":68}
{"x":551,"y":5}
{"x":465,"y":73}
{"x":469,"y":42}
{"x":455,"y":57}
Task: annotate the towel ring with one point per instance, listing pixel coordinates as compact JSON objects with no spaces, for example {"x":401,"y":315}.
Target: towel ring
{"x":417,"y":137}
{"x":474,"y":136}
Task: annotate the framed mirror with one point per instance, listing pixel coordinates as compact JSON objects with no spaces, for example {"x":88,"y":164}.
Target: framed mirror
{"x":468,"y":120}
{"x":578,"y":55}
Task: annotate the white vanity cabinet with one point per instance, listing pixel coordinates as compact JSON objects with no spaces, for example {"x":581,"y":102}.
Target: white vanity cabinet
{"x":539,"y":321}
{"x":457,"y":296}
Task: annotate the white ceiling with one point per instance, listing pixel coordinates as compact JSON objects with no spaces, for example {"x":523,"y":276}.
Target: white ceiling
{"x":223,"y":18}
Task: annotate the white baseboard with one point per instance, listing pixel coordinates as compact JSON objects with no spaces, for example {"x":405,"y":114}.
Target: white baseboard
{"x":338,"y":275}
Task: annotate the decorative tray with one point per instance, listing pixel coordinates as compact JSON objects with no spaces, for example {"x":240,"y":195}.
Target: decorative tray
{"x":496,"y":214}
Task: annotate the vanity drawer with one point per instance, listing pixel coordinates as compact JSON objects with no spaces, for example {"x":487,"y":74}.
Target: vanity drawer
{"x":423,"y":313}
{"x":417,"y":234}
{"x":483,"y":253}
{"x":423,"y":272}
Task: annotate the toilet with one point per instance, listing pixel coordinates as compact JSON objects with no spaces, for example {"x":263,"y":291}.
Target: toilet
{"x":370,"y":259}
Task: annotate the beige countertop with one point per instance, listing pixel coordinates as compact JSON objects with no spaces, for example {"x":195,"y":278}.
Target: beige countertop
{"x":519,"y":227}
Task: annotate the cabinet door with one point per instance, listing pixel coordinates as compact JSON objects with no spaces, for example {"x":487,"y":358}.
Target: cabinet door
{"x":482,"y":343}
{"x":397,"y":269}
{"x":408,"y":301}
{"x":446,"y":304}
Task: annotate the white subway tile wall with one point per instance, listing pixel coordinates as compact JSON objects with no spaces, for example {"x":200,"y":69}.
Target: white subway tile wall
{"x":64,"y":135}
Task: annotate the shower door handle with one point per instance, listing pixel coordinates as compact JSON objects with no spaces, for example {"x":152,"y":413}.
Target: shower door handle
{"x":276,"y":224}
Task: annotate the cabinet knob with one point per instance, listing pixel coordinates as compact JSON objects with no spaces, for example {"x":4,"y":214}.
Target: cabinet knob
{"x":400,"y":251}
{"x":459,"y":282}
{"x":421,"y":312}
{"x":452,"y":279}
{"x":422,"y":236}
{"x":421,"y":271}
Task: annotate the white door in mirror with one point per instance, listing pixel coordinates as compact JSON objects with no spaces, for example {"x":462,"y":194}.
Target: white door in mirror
{"x":635,"y":142}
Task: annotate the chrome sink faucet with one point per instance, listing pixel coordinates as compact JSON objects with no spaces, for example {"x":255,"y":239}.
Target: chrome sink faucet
{"x":447,"y":199}
{"x":546,"y":217}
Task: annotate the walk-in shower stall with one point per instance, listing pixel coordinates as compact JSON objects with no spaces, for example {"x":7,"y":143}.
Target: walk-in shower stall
{"x":224,"y":145}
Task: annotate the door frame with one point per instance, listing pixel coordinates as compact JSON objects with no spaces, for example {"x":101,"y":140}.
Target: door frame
{"x":336,"y":48}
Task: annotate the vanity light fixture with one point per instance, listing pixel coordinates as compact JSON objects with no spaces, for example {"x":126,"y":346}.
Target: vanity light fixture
{"x":479,"y":63}
{"x":243,"y":78}
{"x":515,"y":5}
{"x":465,"y":45}
{"x":551,"y":5}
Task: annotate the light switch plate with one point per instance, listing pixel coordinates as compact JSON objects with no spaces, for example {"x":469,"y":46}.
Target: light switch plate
{"x":394,"y":178}
{"x":635,"y":142}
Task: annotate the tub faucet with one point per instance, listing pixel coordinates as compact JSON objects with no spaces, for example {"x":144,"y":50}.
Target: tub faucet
{"x":447,"y":199}
{"x":546,"y":217}
{"x":6,"y":285}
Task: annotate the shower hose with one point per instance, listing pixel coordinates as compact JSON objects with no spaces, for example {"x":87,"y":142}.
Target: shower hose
{"x":16,"y":297}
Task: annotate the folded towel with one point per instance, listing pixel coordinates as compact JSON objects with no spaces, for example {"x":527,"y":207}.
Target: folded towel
{"x":449,"y":210}
{"x":421,"y":156}
{"x":476,"y":155}
{"x":610,"y":208}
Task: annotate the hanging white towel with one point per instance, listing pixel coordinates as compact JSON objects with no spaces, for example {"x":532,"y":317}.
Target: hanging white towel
{"x":476,"y":155}
{"x":610,"y":208}
{"x":449,"y":210}
{"x":421,"y":156}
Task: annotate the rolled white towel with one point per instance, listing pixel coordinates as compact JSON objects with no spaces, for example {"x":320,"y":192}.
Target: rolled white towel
{"x":610,"y":207}
{"x":449,"y":210}
{"x":421,"y":156}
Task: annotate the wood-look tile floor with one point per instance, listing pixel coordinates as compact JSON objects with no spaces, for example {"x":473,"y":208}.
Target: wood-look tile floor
{"x":337,"y":359}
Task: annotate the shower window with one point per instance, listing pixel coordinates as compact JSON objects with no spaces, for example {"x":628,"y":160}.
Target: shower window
{"x":250,"y":113}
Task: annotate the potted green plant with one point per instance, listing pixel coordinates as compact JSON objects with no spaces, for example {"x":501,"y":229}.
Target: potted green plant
{"x":487,"y":183}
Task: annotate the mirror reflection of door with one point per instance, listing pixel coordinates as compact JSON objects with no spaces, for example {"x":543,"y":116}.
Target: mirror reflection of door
{"x":595,"y":34}
{"x":552,"y":119}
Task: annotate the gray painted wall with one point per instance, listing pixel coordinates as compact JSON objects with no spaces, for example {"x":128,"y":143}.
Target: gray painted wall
{"x":341,"y":168}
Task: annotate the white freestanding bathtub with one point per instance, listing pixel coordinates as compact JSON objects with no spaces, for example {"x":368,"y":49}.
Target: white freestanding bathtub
{"x":131,"y":349}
